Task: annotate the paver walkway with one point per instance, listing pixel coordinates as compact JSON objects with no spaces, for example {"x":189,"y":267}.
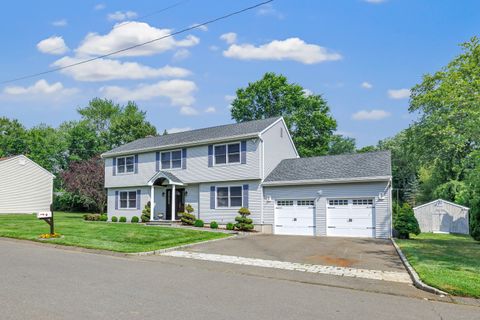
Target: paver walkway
{"x":393,"y":276}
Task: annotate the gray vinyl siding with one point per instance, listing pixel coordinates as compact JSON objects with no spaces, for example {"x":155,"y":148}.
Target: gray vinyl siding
{"x":225,"y":215}
{"x":382,"y":213}
{"x":276,"y":146}
{"x":128,"y":213}
{"x":455,"y":218}
{"x":24,"y":188}
{"x":197,"y":168}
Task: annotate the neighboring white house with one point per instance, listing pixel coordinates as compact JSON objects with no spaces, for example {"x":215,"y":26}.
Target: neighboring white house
{"x":251,"y":164}
{"x":442,"y":216}
{"x":25,"y":187}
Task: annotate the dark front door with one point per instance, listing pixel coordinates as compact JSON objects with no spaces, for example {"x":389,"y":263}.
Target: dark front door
{"x":179,"y":203}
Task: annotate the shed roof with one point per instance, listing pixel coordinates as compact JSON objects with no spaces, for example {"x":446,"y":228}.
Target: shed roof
{"x":235,"y":130}
{"x":438,"y":200}
{"x":337,"y":167}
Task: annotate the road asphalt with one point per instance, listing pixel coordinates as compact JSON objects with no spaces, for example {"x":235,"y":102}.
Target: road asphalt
{"x":42,"y":282}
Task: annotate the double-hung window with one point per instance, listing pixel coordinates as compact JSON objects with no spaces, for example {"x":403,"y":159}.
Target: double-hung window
{"x":172,"y":159}
{"x":227,"y":153}
{"x":128,"y":200}
{"x":126,"y":164}
{"x":229,"y":197}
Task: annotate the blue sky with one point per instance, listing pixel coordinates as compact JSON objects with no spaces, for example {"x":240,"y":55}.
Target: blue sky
{"x":361,"y":55}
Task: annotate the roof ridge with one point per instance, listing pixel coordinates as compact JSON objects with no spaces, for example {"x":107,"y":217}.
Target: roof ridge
{"x":339,"y":155}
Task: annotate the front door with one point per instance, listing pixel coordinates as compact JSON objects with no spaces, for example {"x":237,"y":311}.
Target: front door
{"x":179,"y":203}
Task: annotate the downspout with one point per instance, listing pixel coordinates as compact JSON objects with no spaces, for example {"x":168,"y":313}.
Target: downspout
{"x":262,"y":175}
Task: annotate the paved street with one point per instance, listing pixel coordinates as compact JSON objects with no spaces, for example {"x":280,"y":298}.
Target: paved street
{"x":40,"y":282}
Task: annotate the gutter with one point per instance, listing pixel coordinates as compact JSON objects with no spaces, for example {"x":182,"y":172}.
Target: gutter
{"x":178,"y":145}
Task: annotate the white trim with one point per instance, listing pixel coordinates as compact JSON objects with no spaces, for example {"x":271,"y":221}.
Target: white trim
{"x":227,"y":162}
{"x":180,"y":145}
{"x":286,"y":129}
{"x":171,"y":159}
{"x":228,"y":197}
{"x":128,"y":200}
{"x":27,"y":158}
{"x":325,"y":181}
{"x":432,"y":202}
{"x":159,"y":174}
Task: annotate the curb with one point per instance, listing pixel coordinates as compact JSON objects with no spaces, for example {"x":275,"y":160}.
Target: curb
{"x":417,"y":282}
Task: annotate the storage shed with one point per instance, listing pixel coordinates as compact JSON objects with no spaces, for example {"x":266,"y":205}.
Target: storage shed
{"x":25,"y":187}
{"x":442,"y":216}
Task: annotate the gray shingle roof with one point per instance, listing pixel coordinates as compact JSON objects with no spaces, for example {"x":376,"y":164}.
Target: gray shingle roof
{"x":198,"y":135}
{"x":346,"y":166}
{"x":171,"y":176}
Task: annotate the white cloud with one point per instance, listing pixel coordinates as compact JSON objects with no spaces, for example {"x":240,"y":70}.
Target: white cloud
{"x":109,"y":69}
{"x":188,"y":111}
{"x":375,"y":1}
{"x":99,"y":6}
{"x":200,"y":27}
{"x":370,"y":115}
{"x":176,"y":130}
{"x":122,"y":15}
{"x":229,"y":97}
{"x":366,"y":85}
{"x":213,"y":48}
{"x":179,"y":92}
{"x":269,"y":10}
{"x":132,"y":34}
{"x":52,"y":45}
{"x":40,"y":88}
{"x":289,"y":49}
{"x":210,"y":110}
{"x":181,"y":54}
{"x":307,"y":92}
{"x":60,"y":23}
{"x":399,"y":93}
{"x":229,"y":38}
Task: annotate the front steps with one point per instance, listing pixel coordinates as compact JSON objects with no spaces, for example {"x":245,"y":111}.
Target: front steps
{"x":163,"y":223}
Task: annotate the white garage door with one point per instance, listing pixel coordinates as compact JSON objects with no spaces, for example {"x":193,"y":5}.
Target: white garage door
{"x":350,"y":217}
{"x":295,"y":217}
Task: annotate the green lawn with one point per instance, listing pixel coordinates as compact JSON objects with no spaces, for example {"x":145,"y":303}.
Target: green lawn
{"x":120,"y":237}
{"x":448,"y":262}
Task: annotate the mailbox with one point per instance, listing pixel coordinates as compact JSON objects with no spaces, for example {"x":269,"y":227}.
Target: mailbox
{"x":44,"y":215}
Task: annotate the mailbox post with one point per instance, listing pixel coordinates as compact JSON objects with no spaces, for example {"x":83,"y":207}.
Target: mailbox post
{"x":47,"y":216}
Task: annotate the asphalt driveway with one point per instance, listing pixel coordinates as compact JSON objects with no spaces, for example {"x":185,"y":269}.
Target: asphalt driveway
{"x":360,"y":253}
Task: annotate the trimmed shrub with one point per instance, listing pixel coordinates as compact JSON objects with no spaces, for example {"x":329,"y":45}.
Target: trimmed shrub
{"x":230,"y":226}
{"x":187,"y":217}
{"x":146,"y":213}
{"x":243,"y":222}
{"x":91,"y":217}
{"x":122,"y":219}
{"x":214,"y":225}
{"x":134,"y":219}
{"x":199,"y":223}
{"x":405,"y":222}
{"x":114,"y":219}
{"x":103,"y":217}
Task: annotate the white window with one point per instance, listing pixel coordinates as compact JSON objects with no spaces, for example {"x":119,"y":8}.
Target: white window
{"x":229,"y":197}
{"x":338,"y":202}
{"x":285,"y":203}
{"x":227,"y":153}
{"x":362,"y":202}
{"x":128,"y":200}
{"x":308,"y":203}
{"x":171,"y":159}
{"x":126,"y":164}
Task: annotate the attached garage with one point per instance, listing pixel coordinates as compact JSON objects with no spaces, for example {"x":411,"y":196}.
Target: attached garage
{"x":340,"y":196}
{"x":350,"y":217}
{"x":295,"y":217}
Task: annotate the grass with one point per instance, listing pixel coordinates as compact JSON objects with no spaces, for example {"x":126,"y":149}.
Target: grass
{"x":119,"y":237}
{"x":446,"y":261}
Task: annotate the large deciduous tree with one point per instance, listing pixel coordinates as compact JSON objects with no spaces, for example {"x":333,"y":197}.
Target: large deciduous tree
{"x":307,"y":115}
{"x":340,"y":144}
{"x":12,"y":137}
{"x":86,"y":179}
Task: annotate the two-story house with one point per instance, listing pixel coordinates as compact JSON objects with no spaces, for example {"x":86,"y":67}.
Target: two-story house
{"x":251,"y":164}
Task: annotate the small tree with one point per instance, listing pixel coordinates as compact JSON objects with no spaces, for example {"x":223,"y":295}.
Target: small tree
{"x":187,"y":217}
{"x":405,"y":222}
{"x":146,"y":213}
{"x":243,"y":222}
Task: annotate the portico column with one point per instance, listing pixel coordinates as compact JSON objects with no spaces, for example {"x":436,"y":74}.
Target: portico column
{"x":173,"y":202}
{"x":152,"y":202}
